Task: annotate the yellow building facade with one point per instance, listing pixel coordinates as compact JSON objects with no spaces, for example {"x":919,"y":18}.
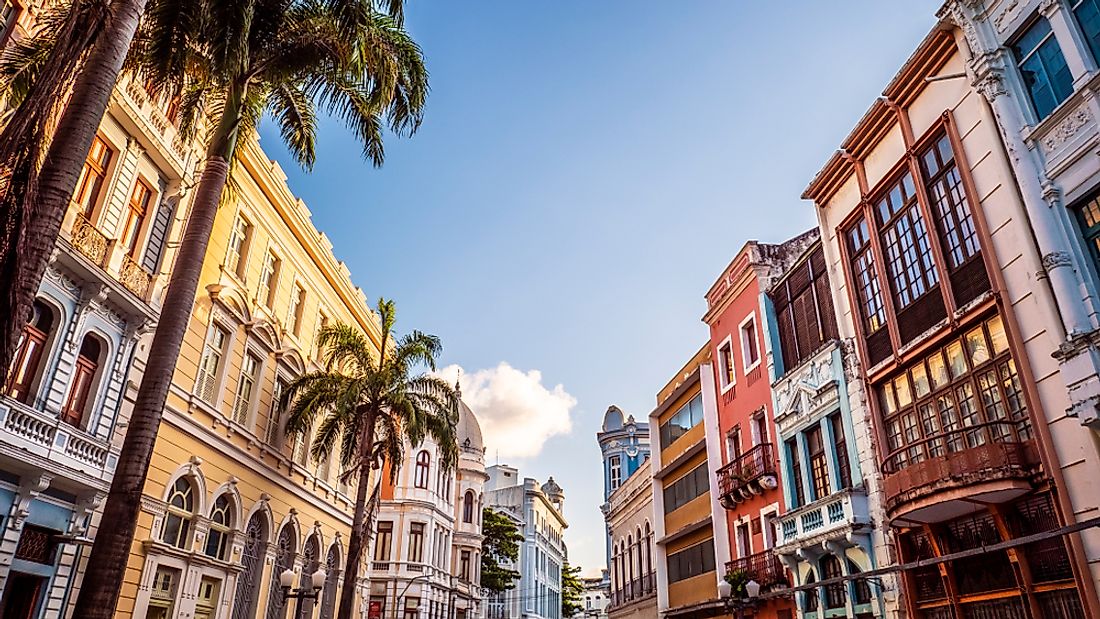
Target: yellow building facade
{"x":229,"y":503}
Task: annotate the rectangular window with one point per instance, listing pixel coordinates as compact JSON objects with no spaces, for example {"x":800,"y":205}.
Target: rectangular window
{"x":733,"y":444}
{"x":273,"y":415}
{"x":245,"y":386}
{"x":135,"y":216}
{"x":687,"y":488}
{"x":238,"y":244}
{"x":9,"y":14}
{"x":819,"y":464}
{"x":384,"y":542}
{"x":803,"y":305}
{"x":970,"y":382}
{"x":162,"y":597}
{"x":269,"y":280}
{"x":322,"y":322}
{"x":1043,"y":68}
{"x":691,"y":561}
{"x":89,"y":185}
{"x":867,"y":286}
{"x":297,"y":304}
{"x":1088,"y":16}
{"x":840,"y":442}
{"x":681,"y":421}
{"x":796,"y":476}
{"x":616,"y":471}
{"x":210,"y":363}
{"x":750,"y":347}
{"x":464,"y":566}
{"x":416,"y":542}
{"x":726,"y":371}
{"x":1088,"y":217}
{"x":905,"y":243}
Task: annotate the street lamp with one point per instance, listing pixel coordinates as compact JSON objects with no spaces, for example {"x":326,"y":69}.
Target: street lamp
{"x":749,"y":602}
{"x":286,"y":581}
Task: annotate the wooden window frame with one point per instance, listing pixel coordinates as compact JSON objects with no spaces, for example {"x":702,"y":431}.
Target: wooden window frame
{"x":136,"y":215}
{"x":422,"y":469}
{"x":89,"y":193}
{"x":27,"y":361}
{"x":81,"y":385}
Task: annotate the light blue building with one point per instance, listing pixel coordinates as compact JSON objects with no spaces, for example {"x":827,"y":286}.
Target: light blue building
{"x":831,"y":495}
{"x":624,"y":443}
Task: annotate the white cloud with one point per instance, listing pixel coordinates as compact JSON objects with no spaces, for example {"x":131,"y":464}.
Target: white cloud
{"x":516,"y":411}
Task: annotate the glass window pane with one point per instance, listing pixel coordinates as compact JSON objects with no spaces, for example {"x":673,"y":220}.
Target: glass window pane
{"x":938,"y":370}
{"x":976,"y":346}
{"x":997,"y":334}
{"x":901,"y":387}
{"x":921,"y":387}
{"x":955,"y":359}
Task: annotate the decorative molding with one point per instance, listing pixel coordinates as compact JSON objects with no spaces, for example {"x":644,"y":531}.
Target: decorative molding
{"x":1010,"y":13}
{"x":29,"y":490}
{"x":1066,"y":130}
{"x":1056,"y":259}
{"x":991,"y":83}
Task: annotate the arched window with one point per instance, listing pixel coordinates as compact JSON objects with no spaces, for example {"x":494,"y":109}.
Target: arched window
{"x":638,"y":558}
{"x":468,"y":507}
{"x":221,"y":520}
{"x":834,"y":593}
{"x":83,"y":381}
{"x":809,"y":597}
{"x":648,"y":549}
{"x":284,"y":560}
{"x":423,"y":467}
{"x":863,"y":591}
{"x":629,"y":559}
{"x":28,"y":358}
{"x":252,"y":564}
{"x":332,"y":575}
{"x":181,"y":509}
{"x":311,"y":562}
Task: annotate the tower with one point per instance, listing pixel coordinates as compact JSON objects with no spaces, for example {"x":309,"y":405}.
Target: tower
{"x":624,"y":443}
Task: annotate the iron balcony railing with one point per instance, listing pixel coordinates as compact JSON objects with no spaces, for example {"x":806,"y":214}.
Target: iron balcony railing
{"x":763,"y":567}
{"x":637,"y":589}
{"x":752,"y":473}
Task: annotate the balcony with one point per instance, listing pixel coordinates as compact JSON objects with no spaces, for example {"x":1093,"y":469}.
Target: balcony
{"x":634,"y":590}
{"x":763,"y":567}
{"x":88,"y":240}
{"x":751,"y":474}
{"x":135,"y":278}
{"x":942,"y":476}
{"x":833,"y":517}
{"x":148,"y":122}
{"x":44,"y":441}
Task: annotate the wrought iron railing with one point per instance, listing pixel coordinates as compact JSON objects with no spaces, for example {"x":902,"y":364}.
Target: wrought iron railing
{"x":88,"y":240}
{"x":763,"y":567}
{"x":637,"y":589}
{"x":734,"y":479}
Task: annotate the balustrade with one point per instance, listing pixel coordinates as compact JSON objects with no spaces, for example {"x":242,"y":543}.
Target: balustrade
{"x":830,"y":515}
{"x":52,"y":438}
{"x":88,"y":240}
{"x":763,"y":567}
{"x":134,"y":276}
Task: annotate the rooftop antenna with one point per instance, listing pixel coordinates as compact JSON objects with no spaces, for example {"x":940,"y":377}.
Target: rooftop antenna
{"x":458,"y":388}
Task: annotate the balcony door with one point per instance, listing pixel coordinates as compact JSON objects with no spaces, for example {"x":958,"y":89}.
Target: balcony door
{"x":743,"y":546}
{"x":28,"y":358}
{"x":22,"y":596}
{"x":84,"y":378}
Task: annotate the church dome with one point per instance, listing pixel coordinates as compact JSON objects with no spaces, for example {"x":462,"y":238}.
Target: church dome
{"x":468,"y":430}
{"x":613,"y":419}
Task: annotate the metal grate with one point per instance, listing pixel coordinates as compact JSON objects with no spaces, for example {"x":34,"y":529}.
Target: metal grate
{"x":36,"y":544}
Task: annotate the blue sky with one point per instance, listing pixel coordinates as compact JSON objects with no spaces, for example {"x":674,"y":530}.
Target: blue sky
{"x":584,"y":172}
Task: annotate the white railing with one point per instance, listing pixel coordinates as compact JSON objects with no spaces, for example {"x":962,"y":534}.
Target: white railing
{"x":48,"y":437}
{"x":836,"y":512}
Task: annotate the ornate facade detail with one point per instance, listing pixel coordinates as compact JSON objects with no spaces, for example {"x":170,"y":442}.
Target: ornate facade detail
{"x":1066,"y":130}
{"x":1057,"y":259}
{"x":991,"y":84}
{"x":1010,"y":13}
{"x":135,"y":278}
{"x":88,"y":240}
{"x":31,"y":487}
{"x":62,"y":281}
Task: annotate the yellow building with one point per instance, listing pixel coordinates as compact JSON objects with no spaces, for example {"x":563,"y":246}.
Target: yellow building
{"x":229,"y":504}
{"x":692,"y":541}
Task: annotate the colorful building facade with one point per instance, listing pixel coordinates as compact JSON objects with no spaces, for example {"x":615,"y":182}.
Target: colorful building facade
{"x":633,"y":577}
{"x":230,"y":502}
{"x":624,"y":443}
{"x":921,"y":221}
{"x":692,"y":540}
{"x":426,"y":549}
{"x":749,"y":476}
{"x":64,"y":397}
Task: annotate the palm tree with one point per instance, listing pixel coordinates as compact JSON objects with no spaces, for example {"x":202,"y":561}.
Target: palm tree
{"x":240,"y":59}
{"x":78,"y":53}
{"x":367,"y":406}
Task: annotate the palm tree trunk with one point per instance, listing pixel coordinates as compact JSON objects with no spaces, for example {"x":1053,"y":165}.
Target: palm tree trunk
{"x":355,"y":540}
{"x":28,"y":237}
{"x":110,"y":552}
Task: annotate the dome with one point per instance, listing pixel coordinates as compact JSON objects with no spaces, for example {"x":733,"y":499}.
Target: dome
{"x":552,"y":489}
{"x":468,"y":430}
{"x":612,"y":419}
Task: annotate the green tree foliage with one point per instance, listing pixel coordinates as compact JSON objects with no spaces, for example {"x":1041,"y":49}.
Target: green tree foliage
{"x":502,"y":540}
{"x":572,"y":590}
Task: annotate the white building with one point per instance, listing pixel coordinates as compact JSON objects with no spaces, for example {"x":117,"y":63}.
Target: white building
{"x":426,"y":550}
{"x":538,"y":511}
{"x":62,"y":399}
{"x":1036,"y":64}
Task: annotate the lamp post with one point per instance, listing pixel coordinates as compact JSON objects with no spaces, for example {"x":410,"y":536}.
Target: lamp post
{"x":749,"y":602}
{"x":286,"y":582}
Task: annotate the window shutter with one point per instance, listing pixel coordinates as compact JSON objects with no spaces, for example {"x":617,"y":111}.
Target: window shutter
{"x":158,"y":233}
